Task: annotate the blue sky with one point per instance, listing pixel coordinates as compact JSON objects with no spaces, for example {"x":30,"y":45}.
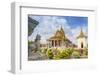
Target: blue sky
{"x":49,"y":24}
{"x":77,"y":21}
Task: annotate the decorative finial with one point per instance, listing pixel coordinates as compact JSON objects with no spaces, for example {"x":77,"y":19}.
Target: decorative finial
{"x":81,"y":32}
{"x":81,"y":29}
{"x":61,"y":27}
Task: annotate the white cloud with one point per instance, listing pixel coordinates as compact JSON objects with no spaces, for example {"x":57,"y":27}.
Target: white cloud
{"x":49,"y":24}
{"x":76,"y":32}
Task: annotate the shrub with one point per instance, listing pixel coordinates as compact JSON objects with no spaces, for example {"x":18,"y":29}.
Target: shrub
{"x":56,"y":57}
{"x":30,"y":42}
{"x":44,"y":50}
{"x":70,"y":50}
{"x":49,"y":54}
{"x":76,"y":54}
{"x":85,"y":51}
{"x":62,"y":55}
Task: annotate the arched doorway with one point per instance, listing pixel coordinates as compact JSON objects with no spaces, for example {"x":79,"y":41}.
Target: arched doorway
{"x":81,"y":44}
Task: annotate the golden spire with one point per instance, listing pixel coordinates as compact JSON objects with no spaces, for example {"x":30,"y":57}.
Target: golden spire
{"x":81,"y":33}
{"x":61,"y":29}
{"x":63,"y":33}
{"x":60,"y":35}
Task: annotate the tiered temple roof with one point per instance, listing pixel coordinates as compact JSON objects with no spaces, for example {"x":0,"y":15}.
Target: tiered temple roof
{"x":59,"y":35}
{"x":60,"y":40}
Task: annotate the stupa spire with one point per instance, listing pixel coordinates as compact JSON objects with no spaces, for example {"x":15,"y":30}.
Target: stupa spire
{"x":81,"y":34}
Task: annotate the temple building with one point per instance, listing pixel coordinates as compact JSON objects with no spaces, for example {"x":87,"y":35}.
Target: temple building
{"x":59,"y":39}
{"x":82,"y":40}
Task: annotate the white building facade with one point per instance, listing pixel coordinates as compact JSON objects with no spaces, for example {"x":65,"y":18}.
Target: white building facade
{"x":82,"y":40}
